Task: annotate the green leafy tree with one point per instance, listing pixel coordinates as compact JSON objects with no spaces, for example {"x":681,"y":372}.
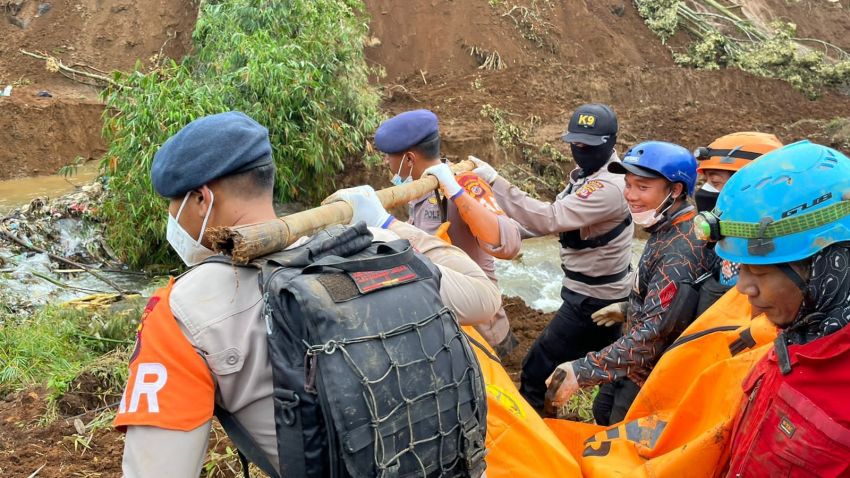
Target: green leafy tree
{"x":296,"y":66}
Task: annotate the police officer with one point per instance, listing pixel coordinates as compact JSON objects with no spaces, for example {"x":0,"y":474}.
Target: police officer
{"x":465,"y":214}
{"x":659,"y":178}
{"x":595,"y":230}
{"x":202,"y":341}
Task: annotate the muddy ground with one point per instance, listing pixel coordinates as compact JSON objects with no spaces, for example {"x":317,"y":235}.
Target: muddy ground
{"x":26,"y":444}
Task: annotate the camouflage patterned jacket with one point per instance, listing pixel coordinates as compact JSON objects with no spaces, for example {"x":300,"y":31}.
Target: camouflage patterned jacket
{"x":673,"y":254}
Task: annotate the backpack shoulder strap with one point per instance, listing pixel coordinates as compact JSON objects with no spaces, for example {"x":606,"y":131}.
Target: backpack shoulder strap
{"x":247,"y":448}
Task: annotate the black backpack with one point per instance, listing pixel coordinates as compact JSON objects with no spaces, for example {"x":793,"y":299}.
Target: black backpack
{"x":372,"y":374}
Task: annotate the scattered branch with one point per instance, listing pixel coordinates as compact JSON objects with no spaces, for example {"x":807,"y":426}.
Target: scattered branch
{"x":54,"y":64}
{"x":9,"y":236}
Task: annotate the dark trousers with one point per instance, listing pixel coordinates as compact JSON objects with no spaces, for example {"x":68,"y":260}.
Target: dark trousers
{"x":613,"y":401}
{"x":570,"y":335}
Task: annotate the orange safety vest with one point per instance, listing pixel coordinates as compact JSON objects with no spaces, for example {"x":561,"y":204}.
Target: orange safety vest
{"x":170,"y":385}
{"x":681,"y":421}
{"x":519,"y":444}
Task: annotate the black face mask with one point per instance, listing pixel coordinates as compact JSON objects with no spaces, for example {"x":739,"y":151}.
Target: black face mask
{"x":706,"y":200}
{"x":591,"y":158}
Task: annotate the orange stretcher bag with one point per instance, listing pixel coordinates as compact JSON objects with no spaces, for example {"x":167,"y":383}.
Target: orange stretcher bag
{"x":681,"y":421}
{"x":518,"y":442}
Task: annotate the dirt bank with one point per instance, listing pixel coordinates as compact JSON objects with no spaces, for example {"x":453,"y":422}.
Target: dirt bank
{"x":39,"y":134}
{"x":601,"y":52}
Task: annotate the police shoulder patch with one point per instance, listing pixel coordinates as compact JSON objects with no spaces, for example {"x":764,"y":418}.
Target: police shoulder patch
{"x":589,"y":188}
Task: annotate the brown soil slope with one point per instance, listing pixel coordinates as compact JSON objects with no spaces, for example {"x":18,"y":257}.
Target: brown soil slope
{"x":593,"y":51}
{"x":40,"y":134}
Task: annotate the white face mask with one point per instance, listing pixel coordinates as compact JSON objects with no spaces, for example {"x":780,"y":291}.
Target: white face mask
{"x":190,"y":250}
{"x":651,"y":217}
{"x":396,"y":180}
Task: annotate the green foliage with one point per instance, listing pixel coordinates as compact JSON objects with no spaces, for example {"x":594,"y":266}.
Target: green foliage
{"x":507,"y":134}
{"x":580,"y":406}
{"x":661,"y":16}
{"x":775,"y":54}
{"x":71,"y":168}
{"x":538,"y":171}
{"x":707,"y":53}
{"x":55,"y":345}
{"x":296,"y":66}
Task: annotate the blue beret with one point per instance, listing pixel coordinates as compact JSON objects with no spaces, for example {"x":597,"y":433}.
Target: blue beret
{"x":406,"y":130}
{"x":209,"y":148}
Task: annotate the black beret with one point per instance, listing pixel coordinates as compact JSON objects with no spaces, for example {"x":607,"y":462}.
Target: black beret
{"x":209,"y":148}
{"x":406,"y":130}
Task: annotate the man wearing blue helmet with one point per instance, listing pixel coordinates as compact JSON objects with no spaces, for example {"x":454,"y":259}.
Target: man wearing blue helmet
{"x":659,"y":178}
{"x":786,"y":220}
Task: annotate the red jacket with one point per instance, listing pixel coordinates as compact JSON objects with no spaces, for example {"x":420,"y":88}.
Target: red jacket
{"x":797,"y":424}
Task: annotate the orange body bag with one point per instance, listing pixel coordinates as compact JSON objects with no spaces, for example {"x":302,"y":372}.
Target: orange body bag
{"x":681,"y":421}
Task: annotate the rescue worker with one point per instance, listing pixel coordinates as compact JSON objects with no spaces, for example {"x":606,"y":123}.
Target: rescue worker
{"x":786,"y":220}
{"x":202,"y":341}
{"x":595,"y":230}
{"x":659,"y":178}
{"x":718,"y":162}
{"x":467,"y":215}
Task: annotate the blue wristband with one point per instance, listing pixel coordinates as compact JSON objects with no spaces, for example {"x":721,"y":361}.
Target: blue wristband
{"x":387,"y":223}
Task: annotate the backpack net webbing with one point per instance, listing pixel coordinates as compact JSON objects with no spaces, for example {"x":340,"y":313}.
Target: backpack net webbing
{"x":411,"y":428}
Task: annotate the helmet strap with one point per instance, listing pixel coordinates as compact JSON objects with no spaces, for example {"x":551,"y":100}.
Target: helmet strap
{"x":793,"y":275}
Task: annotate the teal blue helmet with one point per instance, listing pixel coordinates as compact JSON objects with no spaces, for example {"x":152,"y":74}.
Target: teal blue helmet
{"x":785,"y":206}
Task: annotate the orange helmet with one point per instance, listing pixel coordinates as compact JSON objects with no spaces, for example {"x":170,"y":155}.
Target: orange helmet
{"x":734,"y":151}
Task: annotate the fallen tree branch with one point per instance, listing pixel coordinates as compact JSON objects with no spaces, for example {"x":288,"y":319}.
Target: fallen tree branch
{"x":64,"y":285}
{"x":5,"y":233}
{"x":55,"y":62}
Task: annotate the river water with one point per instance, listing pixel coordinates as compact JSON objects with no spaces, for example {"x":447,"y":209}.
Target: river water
{"x":17,"y":192}
{"x":536,"y":275}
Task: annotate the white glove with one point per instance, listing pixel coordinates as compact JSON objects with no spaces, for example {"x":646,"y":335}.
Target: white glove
{"x":365,"y":205}
{"x":484,"y":170}
{"x":447,"y":179}
{"x":610,"y":314}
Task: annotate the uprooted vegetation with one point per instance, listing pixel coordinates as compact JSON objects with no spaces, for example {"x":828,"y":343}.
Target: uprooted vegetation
{"x":530,"y":20}
{"x":540,"y":170}
{"x":722,"y":39}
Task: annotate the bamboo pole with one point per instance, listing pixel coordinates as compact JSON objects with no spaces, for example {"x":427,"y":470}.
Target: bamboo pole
{"x":244,"y":243}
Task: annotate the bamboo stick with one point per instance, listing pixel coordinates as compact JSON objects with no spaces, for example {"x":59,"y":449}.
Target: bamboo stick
{"x":244,"y":243}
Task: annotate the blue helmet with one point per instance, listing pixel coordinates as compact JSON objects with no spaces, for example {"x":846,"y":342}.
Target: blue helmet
{"x":785,"y":206}
{"x":659,"y":159}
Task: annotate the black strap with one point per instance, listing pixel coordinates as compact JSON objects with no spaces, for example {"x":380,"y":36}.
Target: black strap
{"x":733,"y":153}
{"x":780,"y":345}
{"x":443,"y":201}
{"x":793,"y":275}
{"x":596,"y":280}
{"x":572,"y":239}
{"x":248,"y":449}
{"x":687,"y":338}
{"x":482,"y":348}
{"x":744,"y":341}
{"x":389,"y":255}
